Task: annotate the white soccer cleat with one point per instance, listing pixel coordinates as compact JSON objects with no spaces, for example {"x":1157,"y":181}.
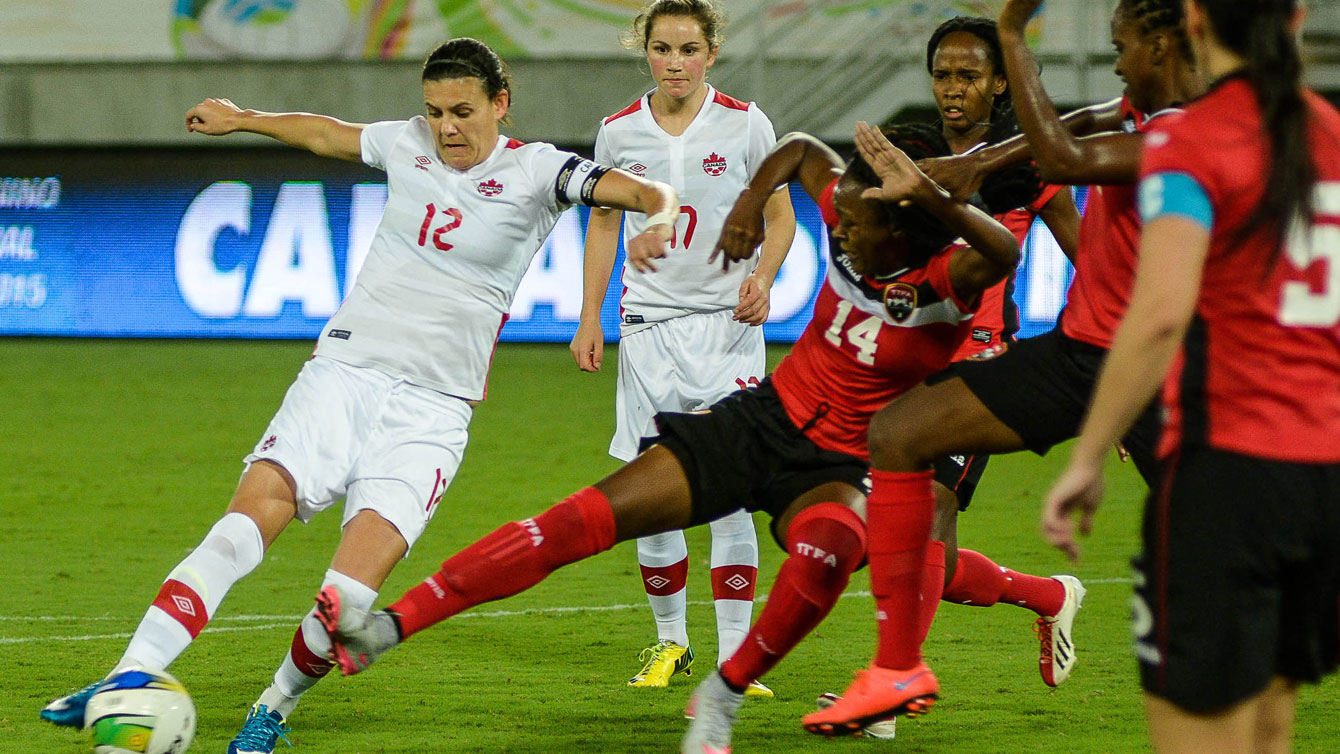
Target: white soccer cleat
{"x":712,"y":709}
{"x":881,"y":729}
{"x":1057,"y":654}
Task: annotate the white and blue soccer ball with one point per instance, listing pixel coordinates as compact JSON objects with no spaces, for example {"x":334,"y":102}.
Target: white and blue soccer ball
{"x":140,"y":711}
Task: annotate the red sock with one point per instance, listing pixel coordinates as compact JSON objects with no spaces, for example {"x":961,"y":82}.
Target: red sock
{"x":932,"y":584}
{"x":512,"y":559}
{"x":305,"y":660}
{"x":979,"y":581}
{"x":667,"y":580}
{"x":734,"y":582}
{"x":899,"y":513}
{"x":825,"y":542}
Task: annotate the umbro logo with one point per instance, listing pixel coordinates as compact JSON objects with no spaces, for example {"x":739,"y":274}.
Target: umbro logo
{"x":637,"y":168}
{"x":658,"y":582}
{"x":183,"y":604}
{"x":269,"y":443}
{"x":422,"y":162}
{"x":490,"y":188}
{"x":737,"y":582}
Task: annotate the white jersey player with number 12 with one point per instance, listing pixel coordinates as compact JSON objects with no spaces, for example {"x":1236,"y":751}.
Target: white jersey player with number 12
{"x":379,"y":415}
{"x":689,"y":332}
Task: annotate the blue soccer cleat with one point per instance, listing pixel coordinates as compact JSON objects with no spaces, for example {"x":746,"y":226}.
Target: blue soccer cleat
{"x":261,"y":732}
{"x":68,"y":711}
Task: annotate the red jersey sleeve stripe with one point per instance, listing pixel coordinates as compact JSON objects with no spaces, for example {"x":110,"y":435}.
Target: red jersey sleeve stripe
{"x":637,"y":105}
{"x":725,"y":100}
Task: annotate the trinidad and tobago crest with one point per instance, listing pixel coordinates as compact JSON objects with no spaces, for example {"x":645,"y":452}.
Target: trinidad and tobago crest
{"x":900,"y":299}
{"x":490,"y":188}
{"x":714,"y":164}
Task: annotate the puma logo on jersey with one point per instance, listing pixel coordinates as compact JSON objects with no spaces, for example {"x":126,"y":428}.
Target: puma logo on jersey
{"x":714,"y":164}
{"x":533,"y":529}
{"x":810,"y":551}
{"x":490,"y":188}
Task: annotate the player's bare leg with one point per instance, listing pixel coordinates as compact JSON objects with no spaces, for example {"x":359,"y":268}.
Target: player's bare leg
{"x":649,"y":495}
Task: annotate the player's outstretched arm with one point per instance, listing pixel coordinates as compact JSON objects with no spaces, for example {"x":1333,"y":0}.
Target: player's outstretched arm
{"x":1112,"y":158}
{"x":619,"y":189}
{"x":319,"y":134}
{"x":962,"y":175}
{"x":796,"y":157}
{"x":779,"y":230}
{"x":993,"y":250}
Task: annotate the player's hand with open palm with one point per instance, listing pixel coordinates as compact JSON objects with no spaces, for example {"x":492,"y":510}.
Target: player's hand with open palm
{"x":960,"y":175}
{"x":902,"y":179}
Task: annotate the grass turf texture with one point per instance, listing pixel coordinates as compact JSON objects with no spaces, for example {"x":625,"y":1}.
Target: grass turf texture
{"x":119,"y":455}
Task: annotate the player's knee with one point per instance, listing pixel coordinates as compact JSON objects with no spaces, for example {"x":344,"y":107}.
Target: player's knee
{"x":896,"y":442}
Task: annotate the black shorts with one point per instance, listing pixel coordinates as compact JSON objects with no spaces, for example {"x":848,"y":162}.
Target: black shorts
{"x":1239,"y":578}
{"x":1040,"y":387}
{"x":961,"y":474}
{"x":744,"y":452}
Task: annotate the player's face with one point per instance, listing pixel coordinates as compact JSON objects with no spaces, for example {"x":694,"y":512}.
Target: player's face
{"x":873,"y":246}
{"x":964,"y":82}
{"x":463,"y":118}
{"x":1134,"y":66}
{"x":679,"y":55}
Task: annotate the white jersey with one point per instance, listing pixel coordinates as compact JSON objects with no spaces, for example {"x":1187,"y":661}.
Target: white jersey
{"x":449,"y":254}
{"x":708,"y":165}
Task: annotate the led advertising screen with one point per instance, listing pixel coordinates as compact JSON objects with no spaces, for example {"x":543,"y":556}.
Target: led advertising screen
{"x":264,"y":243}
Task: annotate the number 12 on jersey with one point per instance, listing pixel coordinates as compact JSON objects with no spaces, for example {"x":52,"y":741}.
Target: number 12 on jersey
{"x":864,"y":334}
{"x":451,"y":225}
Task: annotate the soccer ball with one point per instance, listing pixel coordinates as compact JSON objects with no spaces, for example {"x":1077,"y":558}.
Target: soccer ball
{"x":140,"y":711}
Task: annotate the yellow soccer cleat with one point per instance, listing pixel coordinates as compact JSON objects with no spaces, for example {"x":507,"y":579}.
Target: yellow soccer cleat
{"x":758,"y":691}
{"x":662,"y":660}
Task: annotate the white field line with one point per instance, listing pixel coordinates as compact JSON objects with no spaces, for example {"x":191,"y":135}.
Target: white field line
{"x":266,"y":622}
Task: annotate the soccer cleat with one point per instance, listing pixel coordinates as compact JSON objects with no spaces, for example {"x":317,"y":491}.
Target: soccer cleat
{"x":1057,"y":655}
{"x":876,"y":694}
{"x":712,"y":709}
{"x":357,"y":637}
{"x":757,"y":690}
{"x":68,"y":711}
{"x":261,"y":732}
{"x":880,"y":729}
{"x":660,"y":661}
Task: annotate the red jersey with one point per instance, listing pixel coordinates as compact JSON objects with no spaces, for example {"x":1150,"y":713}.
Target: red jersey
{"x":1259,"y":373}
{"x":1109,"y":237}
{"x":868,"y":342}
{"x":997,"y":318}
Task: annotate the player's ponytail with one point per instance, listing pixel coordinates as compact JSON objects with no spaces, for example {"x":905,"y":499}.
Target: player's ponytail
{"x":464,"y":57}
{"x":1261,"y":31}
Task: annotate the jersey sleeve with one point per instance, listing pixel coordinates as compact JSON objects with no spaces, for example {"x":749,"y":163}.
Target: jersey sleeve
{"x":563,"y":178}
{"x":762,"y":138}
{"x":603,"y":152}
{"x":937,"y":272}
{"x":378,"y":139}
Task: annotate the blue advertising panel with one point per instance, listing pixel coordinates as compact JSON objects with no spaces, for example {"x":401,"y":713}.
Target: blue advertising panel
{"x":264,"y":243}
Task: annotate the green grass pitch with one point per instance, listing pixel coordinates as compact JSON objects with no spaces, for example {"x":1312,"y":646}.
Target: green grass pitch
{"x":116,"y":457}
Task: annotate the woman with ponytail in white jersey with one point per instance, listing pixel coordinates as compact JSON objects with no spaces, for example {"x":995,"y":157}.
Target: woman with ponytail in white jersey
{"x":379,"y":415}
{"x":690,"y":334}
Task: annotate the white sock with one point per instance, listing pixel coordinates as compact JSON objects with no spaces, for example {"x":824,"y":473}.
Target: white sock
{"x":665,"y":551}
{"x":735,"y":551}
{"x":193,"y":590}
{"x":290,"y":682}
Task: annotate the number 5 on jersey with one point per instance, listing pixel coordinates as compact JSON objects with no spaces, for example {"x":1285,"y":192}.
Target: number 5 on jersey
{"x":451,"y":225}
{"x":864,"y":334}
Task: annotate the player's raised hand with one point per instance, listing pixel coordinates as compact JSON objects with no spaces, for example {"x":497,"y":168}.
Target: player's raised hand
{"x":743,"y":230}
{"x":648,"y":245}
{"x":1016,"y":14}
{"x":1079,"y":489}
{"x":902,"y":180}
{"x":960,"y":175}
{"x":214,"y":117}
{"x":755,"y":301}
{"x":588,"y":346}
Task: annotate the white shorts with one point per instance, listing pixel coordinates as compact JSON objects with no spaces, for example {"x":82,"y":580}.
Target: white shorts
{"x":682,"y":364}
{"x":383,"y":444}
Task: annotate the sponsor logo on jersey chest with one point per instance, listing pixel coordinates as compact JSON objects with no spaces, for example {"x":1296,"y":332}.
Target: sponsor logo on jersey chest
{"x":490,"y":188}
{"x":900,"y":299}
{"x":714,"y":164}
